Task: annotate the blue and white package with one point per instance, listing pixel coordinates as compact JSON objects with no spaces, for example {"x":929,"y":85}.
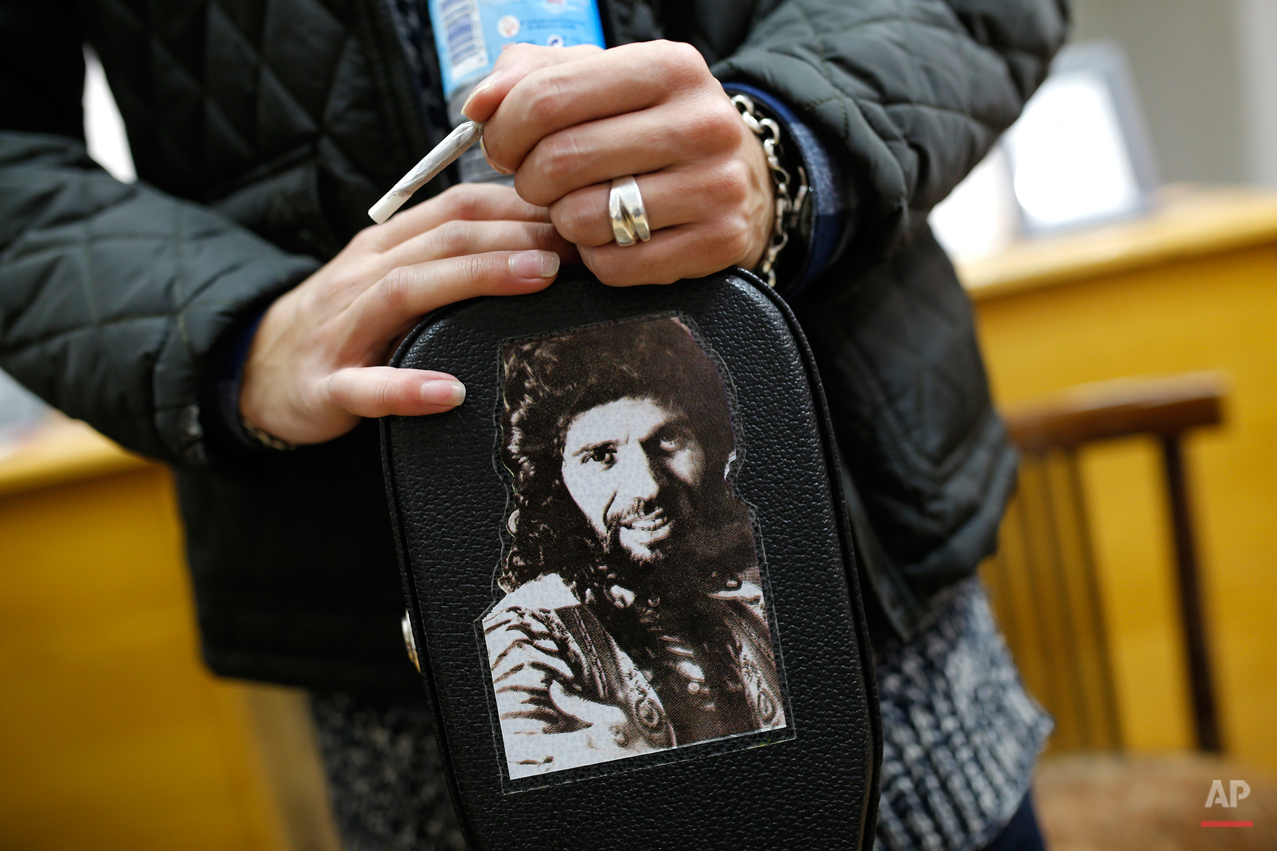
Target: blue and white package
{"x":469,"y":34}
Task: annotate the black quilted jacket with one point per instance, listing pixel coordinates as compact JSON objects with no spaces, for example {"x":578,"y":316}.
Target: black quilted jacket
{"x":261,"y":131}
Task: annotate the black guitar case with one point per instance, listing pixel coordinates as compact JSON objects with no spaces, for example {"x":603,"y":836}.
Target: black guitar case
{"x":630,"y":574}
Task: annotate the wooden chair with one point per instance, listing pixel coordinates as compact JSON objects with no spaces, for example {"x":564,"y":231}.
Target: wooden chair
{"x":1045,"y":593}
{"x":1043,"y":580}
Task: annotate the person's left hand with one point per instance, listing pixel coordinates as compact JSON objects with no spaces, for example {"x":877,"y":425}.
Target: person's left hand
{"x":566,"y":121}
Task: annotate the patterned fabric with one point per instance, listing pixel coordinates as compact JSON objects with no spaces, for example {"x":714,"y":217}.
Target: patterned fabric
{"x":960,"y":734}
{"x":960,"y":737}
{"x":384,"y":776}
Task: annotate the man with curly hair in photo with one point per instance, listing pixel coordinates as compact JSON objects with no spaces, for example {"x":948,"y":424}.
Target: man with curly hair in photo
{"x":634,"y":619}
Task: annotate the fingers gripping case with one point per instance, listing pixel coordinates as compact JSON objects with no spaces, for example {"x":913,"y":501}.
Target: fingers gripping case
{"x":630,"y":575}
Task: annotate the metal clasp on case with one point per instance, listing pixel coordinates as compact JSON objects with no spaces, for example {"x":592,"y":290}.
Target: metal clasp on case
{"x":410,"y":643}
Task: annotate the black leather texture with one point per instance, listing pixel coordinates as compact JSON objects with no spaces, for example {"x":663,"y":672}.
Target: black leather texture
{"x":814,"y":789}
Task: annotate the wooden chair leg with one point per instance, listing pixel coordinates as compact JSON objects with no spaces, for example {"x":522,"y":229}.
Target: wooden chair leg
{"x":1205,"y":716}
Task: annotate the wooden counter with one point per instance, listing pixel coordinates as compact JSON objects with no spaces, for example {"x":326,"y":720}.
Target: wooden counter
{"x":114,"y":736}
{"x":1192,"y":287}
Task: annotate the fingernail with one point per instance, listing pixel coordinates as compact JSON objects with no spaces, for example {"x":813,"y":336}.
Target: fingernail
{"x":534,"y":264}
{"x":478,"y":90}
{"x":443,"y":392}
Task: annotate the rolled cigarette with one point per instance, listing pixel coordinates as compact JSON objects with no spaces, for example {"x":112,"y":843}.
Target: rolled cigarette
{"x":454,"y":145}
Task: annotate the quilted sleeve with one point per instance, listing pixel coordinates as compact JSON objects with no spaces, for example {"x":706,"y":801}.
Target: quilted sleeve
{"x":111,"y":295}
{"x":909,"y":94}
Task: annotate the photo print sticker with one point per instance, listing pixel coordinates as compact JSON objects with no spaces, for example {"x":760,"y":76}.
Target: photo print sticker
{"x":631,"y":618}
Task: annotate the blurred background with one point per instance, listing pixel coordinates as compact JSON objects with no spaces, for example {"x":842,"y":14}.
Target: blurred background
{"x":1120,"y":249}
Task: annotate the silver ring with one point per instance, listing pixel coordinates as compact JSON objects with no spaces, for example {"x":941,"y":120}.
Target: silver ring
{"x":625,"y":209}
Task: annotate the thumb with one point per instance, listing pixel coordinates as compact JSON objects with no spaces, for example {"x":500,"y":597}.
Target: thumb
{"x":380,"y":391}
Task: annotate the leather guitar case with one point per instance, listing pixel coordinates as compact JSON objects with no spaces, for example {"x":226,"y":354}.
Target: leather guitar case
{"x":629,"y":572}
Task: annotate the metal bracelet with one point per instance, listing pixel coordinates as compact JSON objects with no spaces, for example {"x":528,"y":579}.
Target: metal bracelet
{"x":789,"y":202}
{"x":267,"y":439}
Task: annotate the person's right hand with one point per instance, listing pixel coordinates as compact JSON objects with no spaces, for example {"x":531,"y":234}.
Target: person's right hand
{"x":316,"y":364}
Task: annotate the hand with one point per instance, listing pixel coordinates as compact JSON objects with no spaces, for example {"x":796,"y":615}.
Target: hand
{"x":606,"y":734}
{"x":316,"y":362}
{"x":566,"y":121}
